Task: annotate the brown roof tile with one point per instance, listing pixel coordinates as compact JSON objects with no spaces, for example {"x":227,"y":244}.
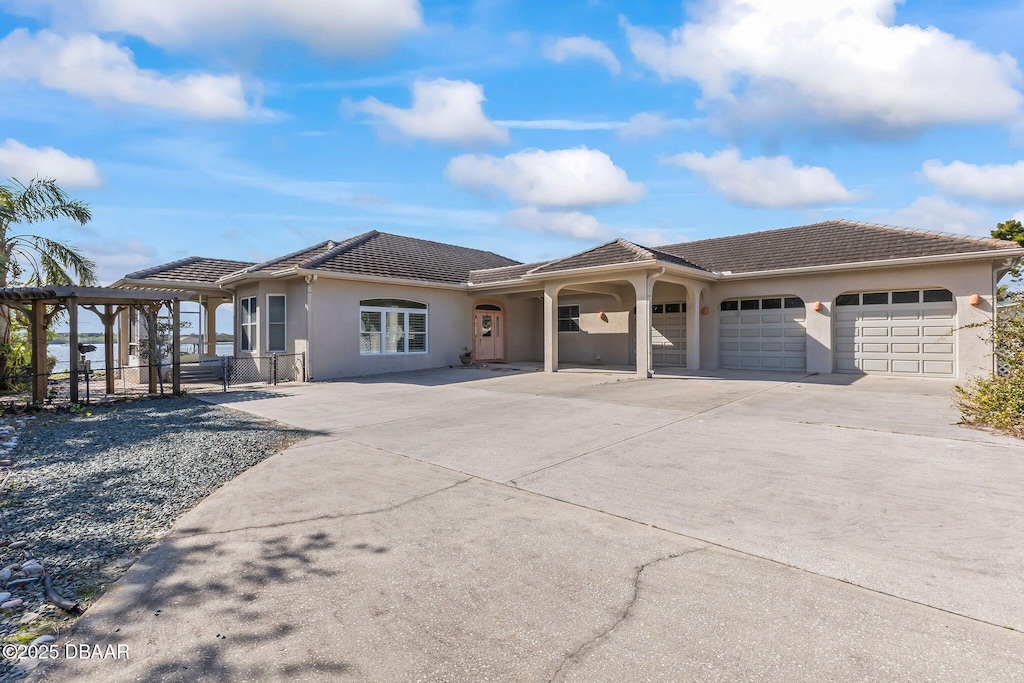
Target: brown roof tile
{"x":503,"y":274}
{"x":616,"y":252}
{"x":381,"y":254}
{"x":191,"y":269}
{"x":828,"y":243}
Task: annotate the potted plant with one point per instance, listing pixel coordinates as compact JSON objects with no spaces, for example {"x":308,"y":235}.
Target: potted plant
{"x":466,"y":356}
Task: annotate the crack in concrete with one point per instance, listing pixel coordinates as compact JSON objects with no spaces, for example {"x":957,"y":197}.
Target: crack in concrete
{"x":624,"y":612}
{"x":362,"y":513}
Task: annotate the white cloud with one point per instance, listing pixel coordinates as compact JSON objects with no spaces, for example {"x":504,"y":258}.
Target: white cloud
{"x":582,"y":47}
{"x":990,"y":182}
{"x":648,"y":124}
{"x":442,"y":110}
{"x":20,"y":161}
{"x":561,"y":124}
{"x":87,"y":66}
{"x":936,"y":213}
{"x":768,"y":182}
{"x":562,"y":178}
{"x":569,"y":223}
{"x":844,"y":61}
{"x":350,"y":27}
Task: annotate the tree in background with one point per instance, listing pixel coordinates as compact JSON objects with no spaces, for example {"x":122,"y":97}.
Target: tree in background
{"x":1011,"y":231}
{"x":34,"y":260}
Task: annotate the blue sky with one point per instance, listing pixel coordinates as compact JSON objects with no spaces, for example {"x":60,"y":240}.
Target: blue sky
{"x":247,"y":129}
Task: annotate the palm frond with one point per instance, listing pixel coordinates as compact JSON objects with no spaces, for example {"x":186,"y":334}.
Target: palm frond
{"x":41,"y":199}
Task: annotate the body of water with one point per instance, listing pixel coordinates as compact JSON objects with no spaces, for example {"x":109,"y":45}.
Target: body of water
{"x":63,"y":351}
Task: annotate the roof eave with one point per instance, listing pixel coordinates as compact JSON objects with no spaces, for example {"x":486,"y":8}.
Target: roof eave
{"x":991,"y":255}
{"x":335,"y":275}
{"x":166,"y":284}
{"x":632,"y":265}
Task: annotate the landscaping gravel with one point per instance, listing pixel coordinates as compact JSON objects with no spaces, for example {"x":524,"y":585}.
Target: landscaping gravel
{"x":88,"y":492}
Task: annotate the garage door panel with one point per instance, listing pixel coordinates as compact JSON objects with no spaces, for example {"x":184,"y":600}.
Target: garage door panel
{"x":766,"y":338}
{"x":900,"y":339}
{"x":907,"y":366}
{"x":668,"y":335}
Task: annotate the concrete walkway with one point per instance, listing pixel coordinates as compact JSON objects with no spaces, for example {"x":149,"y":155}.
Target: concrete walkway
{"x":470,"y":524}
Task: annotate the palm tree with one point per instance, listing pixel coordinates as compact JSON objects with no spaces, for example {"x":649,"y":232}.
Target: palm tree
{"x":34,"y":260}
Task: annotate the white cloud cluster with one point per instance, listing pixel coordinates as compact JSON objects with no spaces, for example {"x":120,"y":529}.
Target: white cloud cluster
{"x":936,"y":213}
{"x":766,"y":182}
{"x":20,"y":161}
{"x":582,"y":47}
{"x":349,"y":27}
{"x":648,"y":124}
{"x":87,"y":66}
{"x":558,"y":179}
{"x":442,"y":110}
{"x":1002,"y":183}
{"x":568,"y":223}
{"x":842,"y":61}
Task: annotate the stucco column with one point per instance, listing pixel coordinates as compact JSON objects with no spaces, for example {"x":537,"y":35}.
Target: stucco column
{"x":693,"y":327}
{"x":551,"y":327}
{"x":211,"y":326}
{"x":819,"y":334}
{"x":643,"y":284}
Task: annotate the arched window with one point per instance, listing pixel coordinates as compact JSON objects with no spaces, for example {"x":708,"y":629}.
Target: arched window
{"x":392,"y":326}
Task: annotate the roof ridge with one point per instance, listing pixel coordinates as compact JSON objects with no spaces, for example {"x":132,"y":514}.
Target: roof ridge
{"x":638,"y":249}
{"x":277,"y":259}
{"x":335,"y":249}
{"x":449,"y":244}
{"x":513,"y":265}
{"x":847,"y":221}
{"x":146,"y":272}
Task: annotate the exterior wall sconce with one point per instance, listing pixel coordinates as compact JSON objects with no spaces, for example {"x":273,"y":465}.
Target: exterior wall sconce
{"x":705,"y":310}
{"x":816,"y":306}
{"x":603,"y":316}
{"x":975,"y":300}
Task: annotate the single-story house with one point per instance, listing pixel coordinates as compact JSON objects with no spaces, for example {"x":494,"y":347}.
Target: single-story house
{"x":833,"y":297}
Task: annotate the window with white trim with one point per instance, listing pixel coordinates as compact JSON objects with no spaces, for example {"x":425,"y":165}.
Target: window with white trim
{"x":569,"y":318}
{"x":247,"y":328}
{"x":392,"y":326}
{"x":276,"y":323}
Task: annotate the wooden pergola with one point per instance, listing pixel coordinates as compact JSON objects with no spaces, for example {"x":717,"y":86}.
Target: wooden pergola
{"x":106,"y":303}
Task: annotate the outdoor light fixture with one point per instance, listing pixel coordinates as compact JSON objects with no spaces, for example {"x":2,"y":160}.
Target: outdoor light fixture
{"x":816,"y":306}
{"x":704,"y":310}
{"x":975,"y":299}
{"x":602,"y":316}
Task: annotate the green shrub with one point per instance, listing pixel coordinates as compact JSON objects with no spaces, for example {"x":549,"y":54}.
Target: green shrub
{"x":998,"y":400}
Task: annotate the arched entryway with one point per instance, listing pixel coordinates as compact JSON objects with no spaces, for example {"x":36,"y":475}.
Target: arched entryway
{"x":489,"y":332}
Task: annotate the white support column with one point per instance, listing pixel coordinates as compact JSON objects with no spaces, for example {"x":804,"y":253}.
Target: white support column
{"x":551,"y":327}
{"x":211,"y":326}
{"x":643,"y":285}
{"x":693,"y":306}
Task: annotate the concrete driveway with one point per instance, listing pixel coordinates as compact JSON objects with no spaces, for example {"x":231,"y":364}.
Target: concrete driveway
{"x":478,"y":524}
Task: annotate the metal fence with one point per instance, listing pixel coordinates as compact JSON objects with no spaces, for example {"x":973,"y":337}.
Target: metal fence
{"x":217,"y":374}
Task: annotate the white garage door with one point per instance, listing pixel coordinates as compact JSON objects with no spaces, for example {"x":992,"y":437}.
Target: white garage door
{"x":763,"y":334}
{"x":668,"y":334}
{"x":907,"y":332}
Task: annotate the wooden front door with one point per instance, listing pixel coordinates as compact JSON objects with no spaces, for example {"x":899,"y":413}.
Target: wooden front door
{"x":488,"y":335}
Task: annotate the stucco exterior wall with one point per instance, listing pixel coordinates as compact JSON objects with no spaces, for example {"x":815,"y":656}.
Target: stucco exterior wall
{"x":524,"y":325}
{"x":335,"y":351}
{"x":602,"y":339}
{"x":974,"y":355}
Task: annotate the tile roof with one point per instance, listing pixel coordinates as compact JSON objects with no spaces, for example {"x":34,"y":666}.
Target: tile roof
{"x":381,"y":254}
{"x":828,"y":243}
{"x":503,"y":274}
{"x":191,"y":269}
{"x":618,"y":251}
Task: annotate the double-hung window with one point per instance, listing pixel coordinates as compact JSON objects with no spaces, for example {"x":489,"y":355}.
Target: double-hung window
{"x":569,"y":318}
{"x":392,"y":326}
{"x":247,"y":328}
{"x":276,"y":323}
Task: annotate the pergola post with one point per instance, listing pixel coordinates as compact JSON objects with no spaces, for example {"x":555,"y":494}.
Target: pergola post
{"x":73,"y":342}
{"x":108,"y":346}
{"x":153,"y":361}
{"x":37,"y":329}
{"x":176,"y":347}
